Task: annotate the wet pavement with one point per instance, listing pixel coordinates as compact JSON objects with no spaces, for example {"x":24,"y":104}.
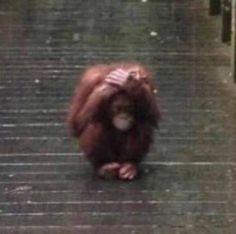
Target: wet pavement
{"x":46,"y":186}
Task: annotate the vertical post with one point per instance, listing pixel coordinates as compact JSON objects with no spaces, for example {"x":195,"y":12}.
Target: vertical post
{"x":233,"y":60}
{"x":226,"y":20}
{"x":214,"y":7}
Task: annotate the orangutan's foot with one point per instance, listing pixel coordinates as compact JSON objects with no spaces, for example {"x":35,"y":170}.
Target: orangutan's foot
{"x":109,"y":170}
{"x":128,"y":171}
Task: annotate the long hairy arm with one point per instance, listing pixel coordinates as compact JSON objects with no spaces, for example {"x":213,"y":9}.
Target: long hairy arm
{"x":91,"y":78}
{"x":92,"y":105}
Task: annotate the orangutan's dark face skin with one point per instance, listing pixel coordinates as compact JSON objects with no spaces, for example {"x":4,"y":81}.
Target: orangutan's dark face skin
{"x":122,"y":113}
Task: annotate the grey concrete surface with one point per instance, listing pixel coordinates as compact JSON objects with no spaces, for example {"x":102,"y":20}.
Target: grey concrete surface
{"x":46,"y":185}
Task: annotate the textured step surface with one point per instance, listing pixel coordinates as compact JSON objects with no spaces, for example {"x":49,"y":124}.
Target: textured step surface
{"x":46,"y":185}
